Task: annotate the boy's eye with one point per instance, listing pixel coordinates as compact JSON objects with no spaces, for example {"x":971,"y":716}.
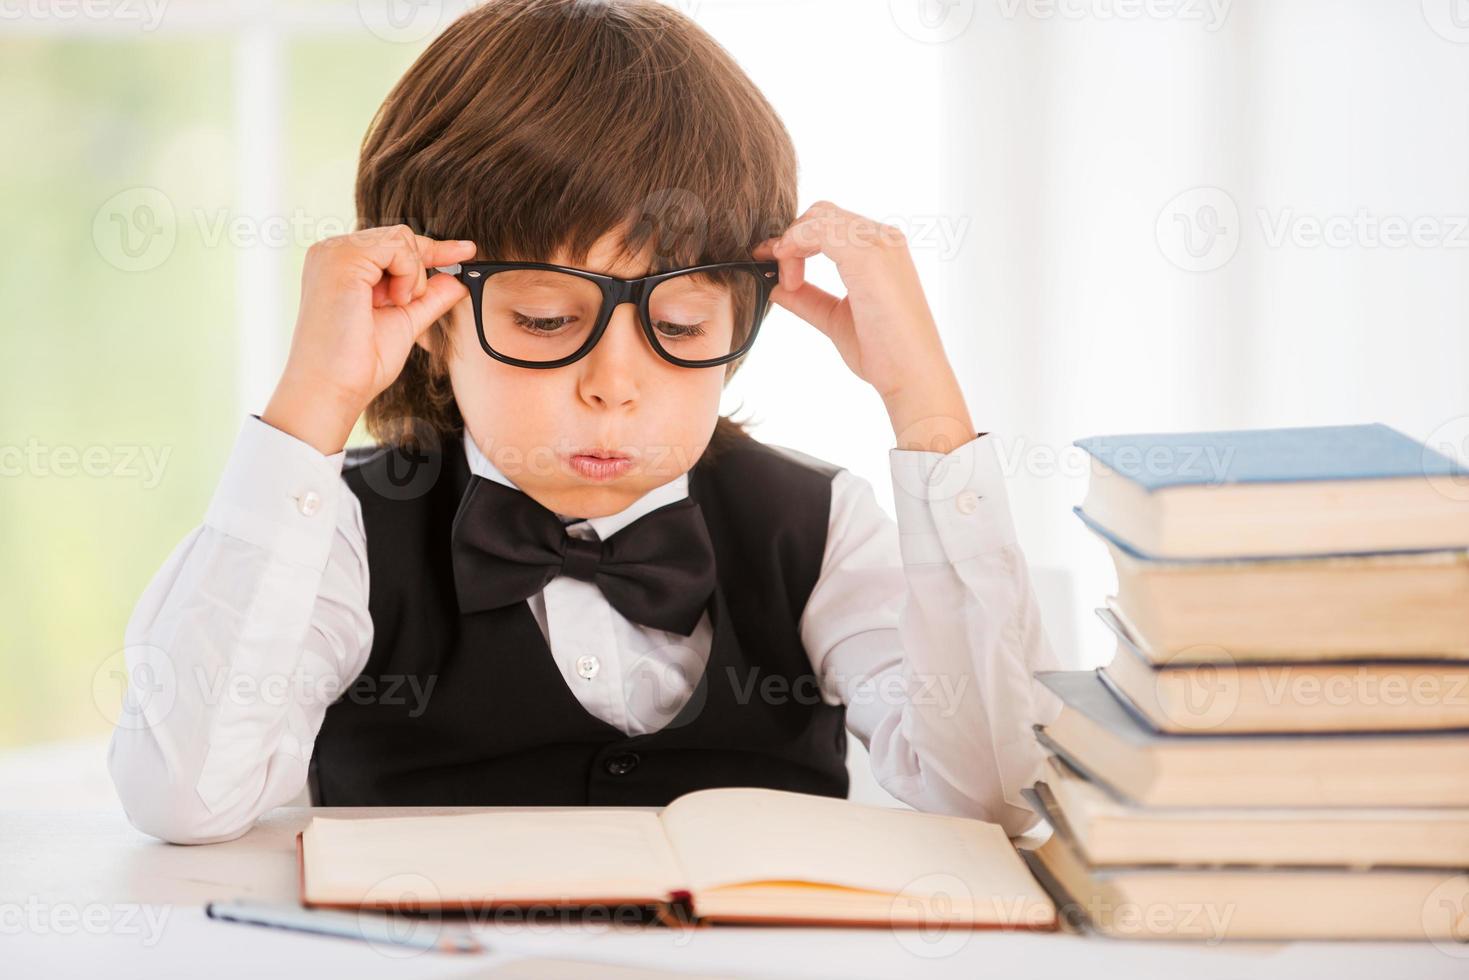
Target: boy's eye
{"x":678,"y":331}
{"x":543,"y":324}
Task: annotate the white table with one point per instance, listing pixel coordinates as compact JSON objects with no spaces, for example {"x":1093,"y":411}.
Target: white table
{"x":82,"y":893}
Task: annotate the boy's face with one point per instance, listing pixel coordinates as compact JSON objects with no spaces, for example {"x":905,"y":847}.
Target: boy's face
{"x":621,"y":397}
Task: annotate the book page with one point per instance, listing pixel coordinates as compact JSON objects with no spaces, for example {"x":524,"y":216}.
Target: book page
{"x":740,"y":837}
{"x":550,"y":855}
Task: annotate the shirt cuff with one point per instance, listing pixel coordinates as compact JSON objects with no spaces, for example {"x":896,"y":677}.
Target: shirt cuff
{"x":279,"y":493}
{"x":950,"y":506}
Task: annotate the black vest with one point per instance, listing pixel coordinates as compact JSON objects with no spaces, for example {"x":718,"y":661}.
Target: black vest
{"x":455,"y":709}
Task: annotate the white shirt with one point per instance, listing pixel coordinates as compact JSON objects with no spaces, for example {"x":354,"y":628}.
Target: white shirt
{"x":927,"y":629}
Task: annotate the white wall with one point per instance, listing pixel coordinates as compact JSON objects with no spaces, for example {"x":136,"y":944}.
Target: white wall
{"x":1040,"y":154}
{"x":1076,"y":143}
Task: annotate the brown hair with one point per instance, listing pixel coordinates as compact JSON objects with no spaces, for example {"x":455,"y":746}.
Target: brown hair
{"x":532,"y":126}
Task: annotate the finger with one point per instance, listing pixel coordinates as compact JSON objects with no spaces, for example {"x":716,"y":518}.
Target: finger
{"x":791,"y":261}
{"x":791,"y":249}
{"x":399,"y":263}
{"x":403,"y":266}
{"x":792,"y":246}
{"x":417,"y":279}
{"x":395,"y":251}
{"x":815,"y":233}
{"x":811,"y":303}
{"x":438,"y":298}
{"x":433,"y":251}
{"x":432,"y":254}
{"x":448,"y":252}
{"x":792,"y":272}
{"x":848,"y":239}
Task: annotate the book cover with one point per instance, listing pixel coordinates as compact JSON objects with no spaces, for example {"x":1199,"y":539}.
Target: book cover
{"x":1158,"y":460}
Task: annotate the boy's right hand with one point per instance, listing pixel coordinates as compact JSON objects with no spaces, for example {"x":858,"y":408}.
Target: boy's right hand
{"x":366,"y":297}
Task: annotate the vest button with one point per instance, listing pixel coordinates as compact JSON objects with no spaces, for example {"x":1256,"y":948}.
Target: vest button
{"x":621,"y":765}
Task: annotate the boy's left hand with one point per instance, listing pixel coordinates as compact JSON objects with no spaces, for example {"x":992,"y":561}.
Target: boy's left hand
{"x":883,"y":327}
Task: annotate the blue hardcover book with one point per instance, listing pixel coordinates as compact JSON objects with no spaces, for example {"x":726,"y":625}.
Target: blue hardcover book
{"x":1273,"y":493}
{"x":1098,"y":735}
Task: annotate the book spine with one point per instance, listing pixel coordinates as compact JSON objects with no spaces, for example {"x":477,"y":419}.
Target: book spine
{"x":678,"y":912}
{"x":1071,"y":916}
{"x":301,"y":869}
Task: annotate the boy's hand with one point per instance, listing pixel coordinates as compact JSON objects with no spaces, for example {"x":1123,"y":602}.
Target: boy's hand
{"x":366,"y":297}
{"x":882,"y":327}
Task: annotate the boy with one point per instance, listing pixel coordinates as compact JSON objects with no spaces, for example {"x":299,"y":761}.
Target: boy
{"x":564,"y":578}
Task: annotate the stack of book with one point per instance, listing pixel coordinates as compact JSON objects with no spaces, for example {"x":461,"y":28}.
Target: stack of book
{"x":1280,"y":746}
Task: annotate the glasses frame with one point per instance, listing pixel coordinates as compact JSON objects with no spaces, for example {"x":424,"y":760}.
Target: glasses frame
{"x":615,"y":292}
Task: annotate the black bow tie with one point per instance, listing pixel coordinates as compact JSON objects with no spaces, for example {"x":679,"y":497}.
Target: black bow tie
{"x":657,"y":571}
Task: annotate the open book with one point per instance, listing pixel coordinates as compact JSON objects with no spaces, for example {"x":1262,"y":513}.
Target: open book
{"x":719,"y":855}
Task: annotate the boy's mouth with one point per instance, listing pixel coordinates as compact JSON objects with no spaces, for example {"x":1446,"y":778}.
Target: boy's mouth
{"x":594,"y":463}
{"x":596,"y":453}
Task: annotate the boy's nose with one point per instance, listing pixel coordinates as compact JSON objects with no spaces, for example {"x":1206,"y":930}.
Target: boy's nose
{"x":612,"y":370}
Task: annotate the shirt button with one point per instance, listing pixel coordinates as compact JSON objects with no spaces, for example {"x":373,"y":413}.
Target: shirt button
{"x":588,"y":666}
{"x":621,"y":765}
{"x":967,"y":502}
{"x":309,"y":503}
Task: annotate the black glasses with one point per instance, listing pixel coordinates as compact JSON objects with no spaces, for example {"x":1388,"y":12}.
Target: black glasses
{"x":537,"y":315}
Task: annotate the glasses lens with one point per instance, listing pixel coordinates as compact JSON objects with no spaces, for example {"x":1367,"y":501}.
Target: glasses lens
{"x":538,"y":315}
{"x":702,"y":316}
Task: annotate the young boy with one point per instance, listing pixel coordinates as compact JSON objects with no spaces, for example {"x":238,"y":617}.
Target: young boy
{"x":563,"y":578}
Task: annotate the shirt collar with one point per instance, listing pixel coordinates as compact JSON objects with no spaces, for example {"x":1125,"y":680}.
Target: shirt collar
{"x":674,"y":490}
